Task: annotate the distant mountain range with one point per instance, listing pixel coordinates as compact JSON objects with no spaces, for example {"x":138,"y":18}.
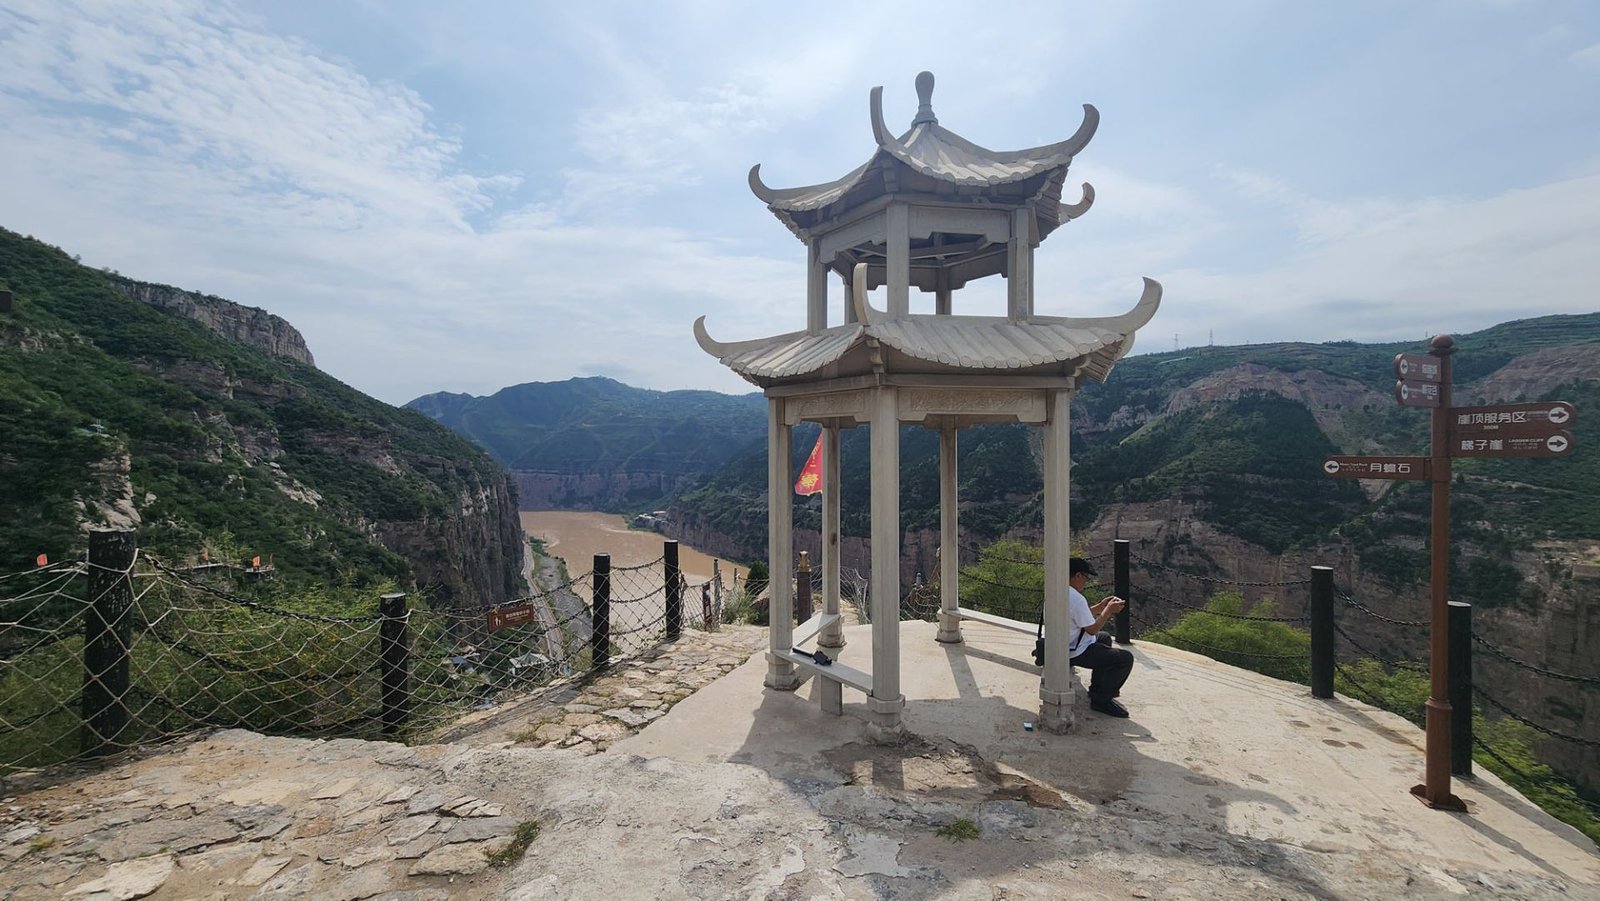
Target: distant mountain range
{"x":1239,"y":433}
{"x":595,"y":443}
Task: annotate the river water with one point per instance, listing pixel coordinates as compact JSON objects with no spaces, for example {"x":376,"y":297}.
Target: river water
{"x":577,"y":536}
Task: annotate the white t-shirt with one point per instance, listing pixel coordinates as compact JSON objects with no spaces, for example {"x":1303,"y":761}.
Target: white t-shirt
{"x":1079,"y":615}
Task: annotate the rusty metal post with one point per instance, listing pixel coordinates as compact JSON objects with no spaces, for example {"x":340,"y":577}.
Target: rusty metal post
{"x":394,"y":653}
{"x":107,"y":628}
{"x":1122,"y":586}
{"x":802,"y":584}
{"x":1435,"y":788}
{"x":1461,"y":689}
{"x":705,"y":606}
{"x":600,"y":614}
{"x":1322,"y":659}
{"x":674,"y":577}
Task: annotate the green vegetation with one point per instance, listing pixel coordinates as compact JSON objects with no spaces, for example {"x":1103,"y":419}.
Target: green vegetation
{"x":1273,"y":649}
{"x":1007,"y":580}
{"x":1252,"y":466}
{"x":597,"y":425}
{"x":961,"y":830}
{"x":521,"y":838}
{"x":107,"y":402}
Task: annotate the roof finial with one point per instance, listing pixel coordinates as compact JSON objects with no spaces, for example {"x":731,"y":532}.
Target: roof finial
{"x":924,"y":100}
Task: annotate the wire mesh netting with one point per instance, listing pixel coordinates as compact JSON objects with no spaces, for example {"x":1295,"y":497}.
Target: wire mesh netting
{"x":97,"y":659}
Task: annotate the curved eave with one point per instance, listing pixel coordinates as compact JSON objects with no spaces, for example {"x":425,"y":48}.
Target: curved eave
{"x":1091,"y":346}
{"x":806,"y":198}
{"x":993,"y":343}
{"x":939,"y":153}
{"x":781,"y":356}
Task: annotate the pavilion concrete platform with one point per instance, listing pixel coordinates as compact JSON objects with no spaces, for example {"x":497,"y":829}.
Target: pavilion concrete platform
{"x":1221,"y":783}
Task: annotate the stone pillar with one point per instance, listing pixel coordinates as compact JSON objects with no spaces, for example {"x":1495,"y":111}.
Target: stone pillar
{"x":898,"y":251}
{"x":832,"y":636}
{"x":781,"y":674}
{"x":886,"y":703}
{"x":949,"y":536}
{"x":1019,"y":265}
{"x":941,"y":295}
{"x":1056,"y":694}
{"x":816,"y":290}
{"x":849,"y":302}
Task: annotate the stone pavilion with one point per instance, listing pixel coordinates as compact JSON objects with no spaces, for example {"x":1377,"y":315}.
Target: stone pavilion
{"x":933,"y":211}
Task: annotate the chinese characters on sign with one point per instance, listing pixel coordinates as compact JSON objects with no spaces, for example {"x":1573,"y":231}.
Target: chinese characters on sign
{"x":1416,"y":394}
{"x":510,"y":615}
{"x":1410,"y":468}
{"x":1418,"y":368}
{"x":1557,"y":444}
{"x":1536,"y":420}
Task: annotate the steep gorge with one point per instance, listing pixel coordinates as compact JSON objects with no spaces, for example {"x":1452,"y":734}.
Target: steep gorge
{"x":204,"y":425}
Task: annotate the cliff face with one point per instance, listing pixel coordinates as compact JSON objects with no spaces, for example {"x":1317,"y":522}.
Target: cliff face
{"x":472,"y":554}
{"x":250,"y":326}
{"x":227,"y":439}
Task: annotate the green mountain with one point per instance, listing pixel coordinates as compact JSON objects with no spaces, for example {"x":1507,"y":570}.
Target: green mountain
{"x":596,"y":443}
{"x":203,"y":425}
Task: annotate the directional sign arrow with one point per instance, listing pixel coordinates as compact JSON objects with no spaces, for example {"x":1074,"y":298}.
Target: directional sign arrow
{"x":1418,"y":368}
{"x":1407,"y":468}
{"x":1416,"y":394}
{"x":1539,"y":420}
{"x":1549,"y":444}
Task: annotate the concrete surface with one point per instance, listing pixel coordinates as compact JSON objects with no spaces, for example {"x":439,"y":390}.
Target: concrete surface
{"x":1222,"y":785}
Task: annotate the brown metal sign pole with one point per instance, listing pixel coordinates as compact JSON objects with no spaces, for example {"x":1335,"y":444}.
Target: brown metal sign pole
{"x":1435,"y":790}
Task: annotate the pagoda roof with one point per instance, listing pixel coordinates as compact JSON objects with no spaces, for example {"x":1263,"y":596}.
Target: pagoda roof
{"x":931,"y":150}
{"x":932,"y":344}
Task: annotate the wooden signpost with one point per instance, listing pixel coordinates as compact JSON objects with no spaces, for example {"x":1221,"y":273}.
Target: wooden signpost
{"x":1504,"y":430}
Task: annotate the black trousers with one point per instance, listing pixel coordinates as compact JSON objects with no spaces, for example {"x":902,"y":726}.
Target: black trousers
{"x":1110,"y":666}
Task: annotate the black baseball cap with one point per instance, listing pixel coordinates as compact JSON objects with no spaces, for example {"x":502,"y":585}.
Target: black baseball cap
{"x":1080,"y":565}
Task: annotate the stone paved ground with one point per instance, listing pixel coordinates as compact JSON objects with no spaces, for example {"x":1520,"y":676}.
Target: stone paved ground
{"x":588,"y":715}
{"x":234,"y":815}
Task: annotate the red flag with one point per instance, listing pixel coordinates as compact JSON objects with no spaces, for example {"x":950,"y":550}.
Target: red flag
{"x":42,"y":560}
{"x":255,"y":562}
{"x":810,"y":481}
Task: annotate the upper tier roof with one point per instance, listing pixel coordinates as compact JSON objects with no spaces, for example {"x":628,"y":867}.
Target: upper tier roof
{"x":942,"y":158}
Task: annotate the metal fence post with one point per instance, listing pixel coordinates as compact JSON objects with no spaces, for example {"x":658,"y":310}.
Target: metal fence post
{"x":107,"y":624}
{"x":705,"y":606}
{"x":394,"y":650}
{"x":1121,"y":586}
{"x":1322,"y":631}
{"x":674,"y":576}
{"x":802,"y":587}
{"x":600,"y":614}
{"x":1460,"y":618}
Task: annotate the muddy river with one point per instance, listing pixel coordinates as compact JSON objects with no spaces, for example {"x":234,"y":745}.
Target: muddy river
{"x":576,"y":537}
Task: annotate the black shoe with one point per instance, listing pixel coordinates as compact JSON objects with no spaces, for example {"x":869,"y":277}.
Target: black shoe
{"x":1108,"y":707}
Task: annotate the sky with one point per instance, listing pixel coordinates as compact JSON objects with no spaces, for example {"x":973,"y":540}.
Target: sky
{"x":466,"y":196}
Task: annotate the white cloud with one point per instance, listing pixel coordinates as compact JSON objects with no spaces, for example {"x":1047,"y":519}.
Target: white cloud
{"x":191,"y":143}
{"x":1588,"y":56}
